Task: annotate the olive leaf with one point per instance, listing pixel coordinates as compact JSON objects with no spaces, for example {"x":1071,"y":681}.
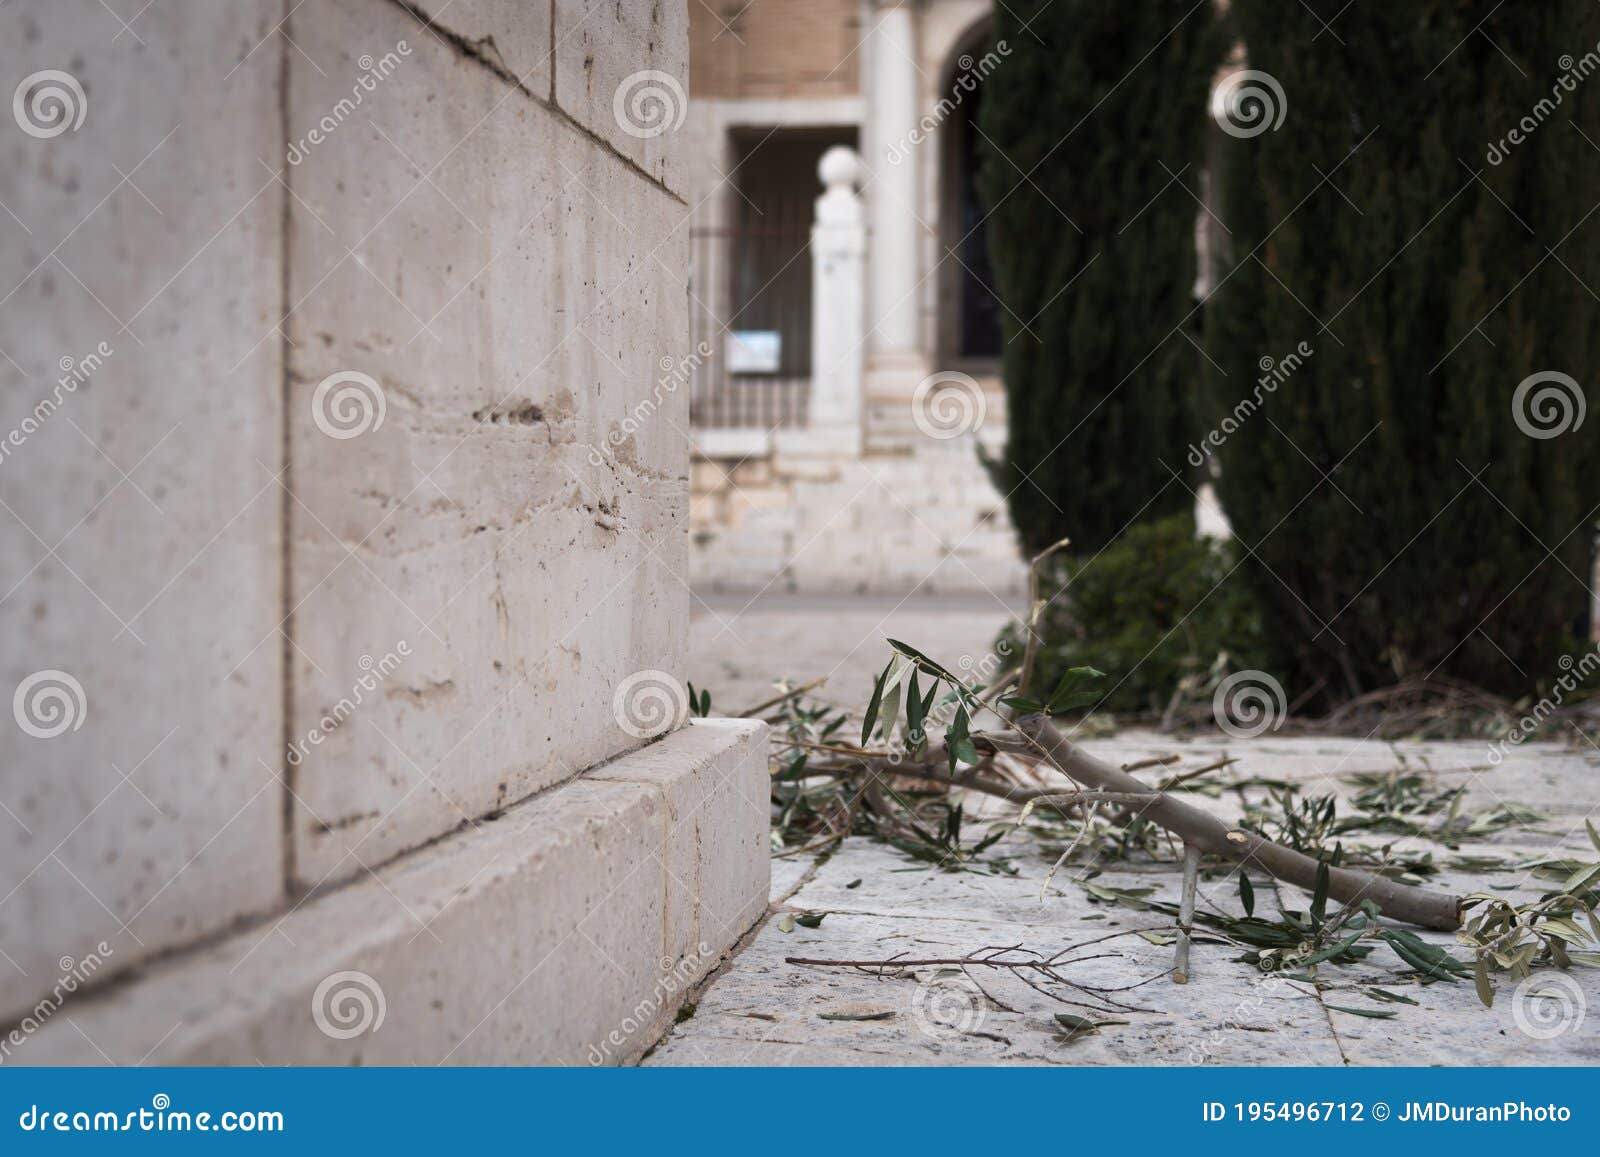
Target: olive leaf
{"x":1073,"y":689}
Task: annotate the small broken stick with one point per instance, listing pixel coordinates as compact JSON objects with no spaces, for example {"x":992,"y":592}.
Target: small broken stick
{"x":1191,"y":877}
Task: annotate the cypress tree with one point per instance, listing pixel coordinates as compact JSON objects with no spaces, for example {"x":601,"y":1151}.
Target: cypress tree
{"x":1092,"y":134}
{"x":1425,"y":218}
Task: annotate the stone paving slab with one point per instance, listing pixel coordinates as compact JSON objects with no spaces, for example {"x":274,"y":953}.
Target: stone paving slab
{"x":879,"y":902}
{"x":766,"y":1011}
{"x":945,"y":1019}
{"x":739,"y":643}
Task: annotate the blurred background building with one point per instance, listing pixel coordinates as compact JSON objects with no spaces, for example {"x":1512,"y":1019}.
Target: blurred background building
{"x":845,"y":381}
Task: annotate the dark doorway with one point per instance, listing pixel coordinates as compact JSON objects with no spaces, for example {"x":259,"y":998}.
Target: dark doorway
{"x":770,"y":271}
{"x":972,"y":312}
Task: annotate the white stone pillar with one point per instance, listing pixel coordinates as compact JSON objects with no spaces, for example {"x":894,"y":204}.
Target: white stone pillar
{"x":897,"y":360}
{"x":838,"y":303}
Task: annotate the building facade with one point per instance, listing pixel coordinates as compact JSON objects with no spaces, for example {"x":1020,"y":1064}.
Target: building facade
{"x":845,"y":370}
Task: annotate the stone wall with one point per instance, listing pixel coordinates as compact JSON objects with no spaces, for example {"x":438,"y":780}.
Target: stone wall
{"x":777,"y":48}
{"x":923,"y":518}
{"x":142,"y":540}
{"x":338,"y":542}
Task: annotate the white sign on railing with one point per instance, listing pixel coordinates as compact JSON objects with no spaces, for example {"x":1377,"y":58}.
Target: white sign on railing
{"x":754,"y":351}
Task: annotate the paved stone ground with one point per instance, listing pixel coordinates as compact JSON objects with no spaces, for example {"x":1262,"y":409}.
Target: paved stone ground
{"x":739,"y":644}
{"x":879,"y":902}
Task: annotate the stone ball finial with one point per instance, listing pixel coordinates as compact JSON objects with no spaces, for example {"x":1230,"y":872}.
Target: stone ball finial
{"x":839,"y":167}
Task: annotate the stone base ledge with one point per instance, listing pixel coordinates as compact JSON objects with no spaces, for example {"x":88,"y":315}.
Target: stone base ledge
{"x":738,"y":443}
{"x":795,"y":447}
{"x":564,"y":931}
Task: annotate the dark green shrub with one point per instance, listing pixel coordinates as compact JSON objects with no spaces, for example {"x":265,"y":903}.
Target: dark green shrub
{"x":1149,"y":610}
{"x":1400,"y":522}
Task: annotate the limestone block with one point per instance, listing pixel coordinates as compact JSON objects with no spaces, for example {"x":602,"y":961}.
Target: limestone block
{"x":512,"y":504}
{"x":742,"y":502}
{"x":528,"y":939}
{"x":705,"y":510}
{"x":622,"y":71}
{"x":729,"y":446}
{"x":754,"y":543}
{"x":717,"y":840}
{"x":781,"y":519}
{"x":987,"y":545}
{"x":753,"y":472}
{"x":142,"y":268}
{"x":807,"y":469}
{"x":706,"y":477}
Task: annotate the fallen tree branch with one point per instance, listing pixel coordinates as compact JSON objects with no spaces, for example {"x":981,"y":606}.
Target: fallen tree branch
{"x":1397,"y":901}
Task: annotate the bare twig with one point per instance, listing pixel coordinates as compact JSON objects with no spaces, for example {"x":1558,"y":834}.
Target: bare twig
{"x":1175,"y":779}
{"x":1036,"y":607}
{"x":832,"y":748}
{"x":784,"y":698}
{"x":1153,"y":761}
{"x":997,"y":689}
{"x":1024,"y":963}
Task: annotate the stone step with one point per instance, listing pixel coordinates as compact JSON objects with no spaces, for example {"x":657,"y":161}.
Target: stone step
{"x":565,"y":932}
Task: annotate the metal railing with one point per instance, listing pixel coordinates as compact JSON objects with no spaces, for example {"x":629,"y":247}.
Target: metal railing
{"x":750,"y":279}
